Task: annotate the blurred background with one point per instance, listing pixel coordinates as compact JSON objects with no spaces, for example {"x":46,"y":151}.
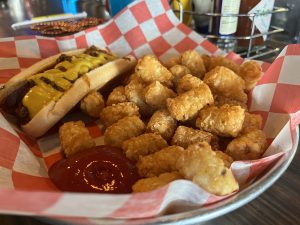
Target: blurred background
{"x":12,"y":11}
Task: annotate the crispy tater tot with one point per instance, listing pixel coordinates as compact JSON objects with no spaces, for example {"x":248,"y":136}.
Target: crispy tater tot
{"x":250,"y":71}
{"x":159,"y":162}
{"x":226,"y":158}
{"x":134,"y":92}
{"x":179,"y":71}
{"x":193,"y":60}
{"x":125,"y":128}
{"x":224,"y":81}
{"x":187,"y":105}
{"x":149,"y":69}
{"x":113,"y":113}
{"x":222,"y":100}
{"x":206,"y":60}
{"x":161,"y":122}
{"x":251,"y":122}
{"x":201,"y":164}
{"x":92,"y":104}
{"x":152,"y":183}
{"x":224,"y":121}
{"x":175,"y":60}
{"x":75,"y":137}
{"x":142,"y":145}
{"x":188,"y":82}
{"x":247,"y":146}
{"x":222,"y":61}
{"x":185,"y":136}
{"x":156,"y":95}
{"x":117,"y":96}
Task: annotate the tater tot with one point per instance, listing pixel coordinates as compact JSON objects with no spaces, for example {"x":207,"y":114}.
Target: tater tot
{"x":149,"y":69}
{"x":222,"y":61}
{"x":222,"y":100}
{"x":152,"y":183}
{"x":251,"y":72}
{"x":175,"y":60}
{"x":185,"y":136}
{"x":224,"y":81}
{"x":251,"y":122}
{"x":247,"y":146}
{"x":193,"y":60}
{"x":142,"y":145}
{"x":92,"y":104}
{"x":179,"y":71}
{"x":117,"y":96}
{"x":226,"y":158}
{"x":163,"y":123}
{"x":113,"y":113}
{"x":156,"y":95}
{"x":159,"y":162}
{"x":134,"y":92}
{"x":75,"y":137}
{"x":187,"y":105}
{"x":125,"y":128}
{"x":225,"y":121}
{"x":201,"y":164}
{"x":206,"y":60}
{"x":188,"y":82}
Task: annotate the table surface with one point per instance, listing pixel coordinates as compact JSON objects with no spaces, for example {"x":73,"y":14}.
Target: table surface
{"x":280,"y":204}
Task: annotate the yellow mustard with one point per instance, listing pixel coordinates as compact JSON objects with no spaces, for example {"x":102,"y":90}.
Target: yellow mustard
{"x":43,"y":92}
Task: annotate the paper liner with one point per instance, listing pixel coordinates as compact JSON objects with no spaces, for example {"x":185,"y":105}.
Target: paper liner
{"x":144,"y":27}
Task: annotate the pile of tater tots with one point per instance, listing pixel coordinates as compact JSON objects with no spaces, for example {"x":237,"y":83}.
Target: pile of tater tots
{"x":184,"y":119}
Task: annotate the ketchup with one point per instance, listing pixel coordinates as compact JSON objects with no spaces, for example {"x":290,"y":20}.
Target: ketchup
{"x":101,"y":169}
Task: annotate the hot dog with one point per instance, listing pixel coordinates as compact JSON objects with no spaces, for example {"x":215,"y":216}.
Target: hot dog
{"x":42,"y":94}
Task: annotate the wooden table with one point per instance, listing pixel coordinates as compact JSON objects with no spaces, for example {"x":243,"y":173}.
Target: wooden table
{"x":280,"y":204}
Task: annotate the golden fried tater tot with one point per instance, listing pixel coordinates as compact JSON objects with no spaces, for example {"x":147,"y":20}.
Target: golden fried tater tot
{"x":251,"y":122}
{"x":152,"y":183}
{"x":175,"y":60}
{"x":134,"y":92}
{"x":156,"y":95}
{"x":201,"y":164}
{"x":247,"y":146}
{"x":117,"y":96}
{"x":161,"y":122}
{"x":185,"y":136}
{"x":222,"y":100}
{"x":187,"y":105}
{"x":179,"y":71}
{"x":193,"y":60}
{"x":149,"y":69}
{"x":159,"y":162}
{"x":188,"y":82}
{"x":226,"y":158}
{"x":142,"y":145}
{"x":125,"y":128}
{"x":113,"y":113}
{"x":75,"y":137}
{"x":224,"y":121}
{"x":206,"y":60}
{"x":250,"y":71}
{"x":92,"y":104}
{"x":224,"y":81}
{"x":222,"y":61}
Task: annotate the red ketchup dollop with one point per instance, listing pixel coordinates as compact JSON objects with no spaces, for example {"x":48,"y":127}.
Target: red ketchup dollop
{"x":102,"y":169}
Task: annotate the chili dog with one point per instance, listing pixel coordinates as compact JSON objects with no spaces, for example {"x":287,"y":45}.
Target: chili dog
{"x":42,"y":94}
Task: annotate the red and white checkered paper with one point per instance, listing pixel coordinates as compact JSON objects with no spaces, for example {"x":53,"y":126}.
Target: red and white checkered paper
{"x":144,"y":27}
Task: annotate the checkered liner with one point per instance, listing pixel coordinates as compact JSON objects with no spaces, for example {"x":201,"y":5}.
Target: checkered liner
{"x":144,"y":27}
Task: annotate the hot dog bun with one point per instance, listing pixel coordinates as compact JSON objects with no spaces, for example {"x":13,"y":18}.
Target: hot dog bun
{"x":53,"y":111}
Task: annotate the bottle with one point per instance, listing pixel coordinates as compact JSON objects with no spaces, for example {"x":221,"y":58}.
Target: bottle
{"x":225,"y":26}
{"x":262,"y":23}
